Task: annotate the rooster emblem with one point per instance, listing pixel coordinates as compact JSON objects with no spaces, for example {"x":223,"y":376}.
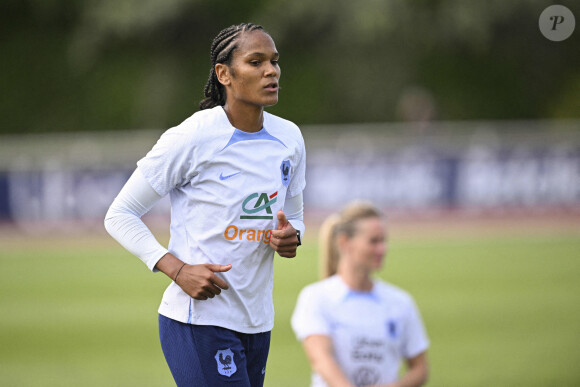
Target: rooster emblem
{"x":285,"y":172}
{"x":225,"y":362}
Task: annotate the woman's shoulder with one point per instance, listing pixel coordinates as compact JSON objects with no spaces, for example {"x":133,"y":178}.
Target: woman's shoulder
{"x":328,"y":287}
{"x":213,"y":117}
{"x":392,"y":292}
{"x":201,"y":125}
{"x":276,"y":122}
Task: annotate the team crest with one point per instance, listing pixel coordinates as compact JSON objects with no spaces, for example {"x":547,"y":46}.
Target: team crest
{"x":393,"y":329}
{"x":225,"y":362}
{"x":365,"y":376}
{"x":285,"y":171}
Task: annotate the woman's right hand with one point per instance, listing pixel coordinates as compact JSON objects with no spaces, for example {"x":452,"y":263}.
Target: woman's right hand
{"x":198,"y":281}
{"x":201,"y":282}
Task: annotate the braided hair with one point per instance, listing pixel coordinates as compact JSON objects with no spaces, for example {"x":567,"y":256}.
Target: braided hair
{"x":222,"y":49}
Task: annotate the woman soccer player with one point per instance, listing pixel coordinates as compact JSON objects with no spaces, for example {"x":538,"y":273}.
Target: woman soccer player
{"x":355,"y":329}
{"x":235,"y":176}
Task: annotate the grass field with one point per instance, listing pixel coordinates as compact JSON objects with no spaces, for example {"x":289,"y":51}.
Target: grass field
{"x":501,"y":306}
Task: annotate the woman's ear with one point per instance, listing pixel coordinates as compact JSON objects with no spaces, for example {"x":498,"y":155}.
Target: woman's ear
{"x":222,"y":73}
{"x":342,"y":241}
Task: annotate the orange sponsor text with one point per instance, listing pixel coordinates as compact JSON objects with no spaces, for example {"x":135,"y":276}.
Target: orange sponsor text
{"x":234,"y":233}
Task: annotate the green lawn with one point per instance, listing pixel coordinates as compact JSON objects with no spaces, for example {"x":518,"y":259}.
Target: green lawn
{"x":500,"y":311}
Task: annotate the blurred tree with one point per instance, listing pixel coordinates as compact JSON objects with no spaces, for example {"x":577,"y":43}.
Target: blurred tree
{"x":124,"y":64}
{"x":479,"y":59}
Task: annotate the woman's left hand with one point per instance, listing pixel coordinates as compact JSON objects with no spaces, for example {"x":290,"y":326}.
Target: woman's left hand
{"x":284,"y":239}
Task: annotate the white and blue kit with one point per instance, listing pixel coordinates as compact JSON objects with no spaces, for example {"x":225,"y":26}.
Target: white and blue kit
{"x":371,"y":331}
{"x":226,"y":187}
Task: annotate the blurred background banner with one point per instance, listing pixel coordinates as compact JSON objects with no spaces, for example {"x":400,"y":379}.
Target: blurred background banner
{"x":478,"y":167}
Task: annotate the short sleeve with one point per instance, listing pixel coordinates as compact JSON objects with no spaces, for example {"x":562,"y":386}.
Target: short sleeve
{"x":170,"y":163}
{"x":309,"y":317}
{"x":416,"y":340}
{"x":298,"y":181}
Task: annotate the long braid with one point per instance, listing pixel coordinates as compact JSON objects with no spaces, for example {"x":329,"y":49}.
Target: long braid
{"x":222,"y":48}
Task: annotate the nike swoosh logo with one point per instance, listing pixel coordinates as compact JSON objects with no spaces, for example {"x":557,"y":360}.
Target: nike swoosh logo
{"x":222,"y":177}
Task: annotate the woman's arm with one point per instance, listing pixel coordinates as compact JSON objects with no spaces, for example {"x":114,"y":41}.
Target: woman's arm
{"x":123,"y":222}
{"x":294,"y":210}
{"x":320,"y":352}
{"x":416,"y":374}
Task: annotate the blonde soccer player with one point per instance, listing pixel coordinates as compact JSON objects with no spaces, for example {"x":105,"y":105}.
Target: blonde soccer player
{"x":355,"y":329}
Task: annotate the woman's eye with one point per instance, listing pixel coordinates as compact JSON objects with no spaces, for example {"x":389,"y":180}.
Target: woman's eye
{"x":275,"y":62}
{"x":255,"y":63}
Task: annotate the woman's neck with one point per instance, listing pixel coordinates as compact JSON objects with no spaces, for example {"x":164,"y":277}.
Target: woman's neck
{"x":247,"y":118}
{"x":355,"y":278}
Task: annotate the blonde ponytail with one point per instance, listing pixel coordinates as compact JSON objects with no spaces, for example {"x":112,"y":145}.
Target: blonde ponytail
{"x":328,"y":250}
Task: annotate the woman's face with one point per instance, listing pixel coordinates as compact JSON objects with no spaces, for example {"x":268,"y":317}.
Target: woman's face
{"x":254,"y":72}
{"x":368,"y":246}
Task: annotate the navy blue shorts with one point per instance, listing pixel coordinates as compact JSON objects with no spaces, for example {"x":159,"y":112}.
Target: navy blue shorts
{"x":210,"y":356}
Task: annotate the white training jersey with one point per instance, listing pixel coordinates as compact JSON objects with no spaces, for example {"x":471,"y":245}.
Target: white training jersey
{"x":226,"y":187}
{"x":371,"y":331}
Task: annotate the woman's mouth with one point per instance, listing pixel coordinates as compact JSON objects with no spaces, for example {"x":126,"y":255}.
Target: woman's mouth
{"x":273,"y":86}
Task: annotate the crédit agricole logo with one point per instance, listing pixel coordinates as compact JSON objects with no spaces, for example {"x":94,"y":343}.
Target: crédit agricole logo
{"x":263,"y":202}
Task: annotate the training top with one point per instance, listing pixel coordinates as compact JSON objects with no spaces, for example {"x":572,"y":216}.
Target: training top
{"x":371,"y":331}
{"x":226,"y":187}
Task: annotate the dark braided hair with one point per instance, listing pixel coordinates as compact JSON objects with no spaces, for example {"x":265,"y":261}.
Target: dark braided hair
{"x":222,"y":49}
